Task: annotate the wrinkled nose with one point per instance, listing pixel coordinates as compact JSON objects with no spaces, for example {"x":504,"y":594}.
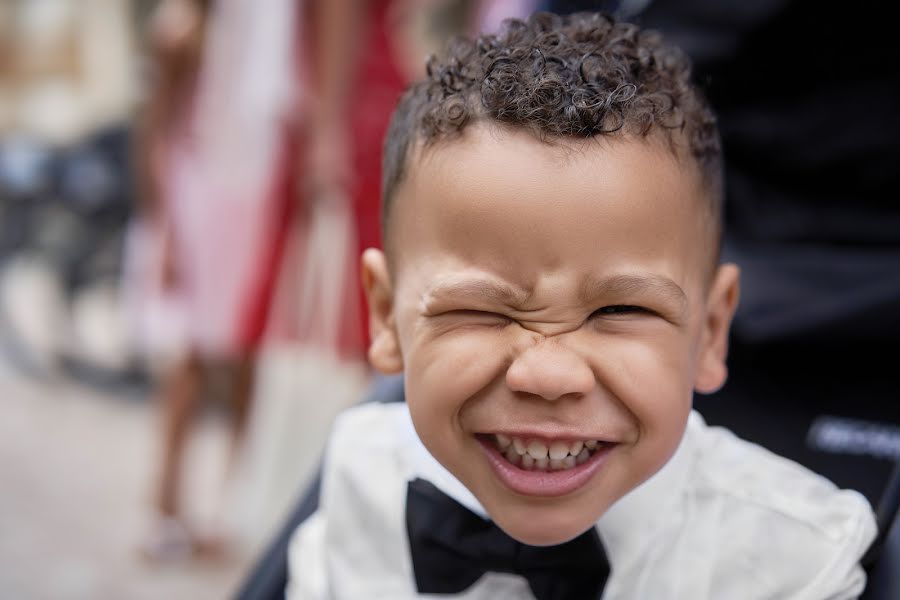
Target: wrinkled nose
{"x":551,"y":371}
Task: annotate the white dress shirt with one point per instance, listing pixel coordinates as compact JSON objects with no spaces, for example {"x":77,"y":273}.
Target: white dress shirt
{"x":724,"y":519}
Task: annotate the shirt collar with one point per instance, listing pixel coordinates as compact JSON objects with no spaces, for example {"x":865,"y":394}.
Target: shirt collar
{"x":423,"y":464}
{"x":654,"y":506}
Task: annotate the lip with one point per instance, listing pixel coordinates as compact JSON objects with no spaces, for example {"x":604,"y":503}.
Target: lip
{"x":546,"y":484}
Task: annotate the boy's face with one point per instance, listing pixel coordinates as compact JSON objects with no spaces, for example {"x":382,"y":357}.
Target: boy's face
{"x":550,"y":293}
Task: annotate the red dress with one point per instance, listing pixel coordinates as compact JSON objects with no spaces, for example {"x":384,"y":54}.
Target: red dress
{"x":377,"y":85}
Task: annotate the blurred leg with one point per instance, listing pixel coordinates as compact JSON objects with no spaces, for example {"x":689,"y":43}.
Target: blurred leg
{"x":180,"y":397}
{"x":216,"y":541}
{"x":242,"y":398}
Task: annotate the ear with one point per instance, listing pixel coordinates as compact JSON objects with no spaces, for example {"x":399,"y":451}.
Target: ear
{"x":384,"y":351}
{"x":711,"y":371}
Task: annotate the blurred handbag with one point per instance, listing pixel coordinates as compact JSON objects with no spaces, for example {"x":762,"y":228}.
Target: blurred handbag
{"x":304,"y":375}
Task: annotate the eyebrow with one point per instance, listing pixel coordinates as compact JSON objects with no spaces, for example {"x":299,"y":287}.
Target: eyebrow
{"x":493,"y":290}
{"x":630,"y":284}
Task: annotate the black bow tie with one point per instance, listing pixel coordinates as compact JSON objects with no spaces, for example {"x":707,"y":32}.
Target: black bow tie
{"x":452,"y":548}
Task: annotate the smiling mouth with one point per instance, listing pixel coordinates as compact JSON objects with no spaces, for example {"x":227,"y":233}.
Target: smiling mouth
{"x":545,"y":455}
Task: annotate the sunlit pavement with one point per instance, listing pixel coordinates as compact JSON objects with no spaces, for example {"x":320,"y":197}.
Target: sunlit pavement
{"x":75,"y":472}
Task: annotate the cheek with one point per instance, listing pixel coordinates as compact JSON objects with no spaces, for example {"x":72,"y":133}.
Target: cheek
{"x":653,"y":379}
{"x":444,"y":372}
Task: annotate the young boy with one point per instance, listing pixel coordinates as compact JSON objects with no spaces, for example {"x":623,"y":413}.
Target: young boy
{"x":550,"y":290}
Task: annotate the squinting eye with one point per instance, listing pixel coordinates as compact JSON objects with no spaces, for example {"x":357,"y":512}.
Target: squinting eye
{"x":618,"y":309}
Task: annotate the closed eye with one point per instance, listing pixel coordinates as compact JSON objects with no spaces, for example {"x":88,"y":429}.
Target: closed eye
{"x":620,"y":309}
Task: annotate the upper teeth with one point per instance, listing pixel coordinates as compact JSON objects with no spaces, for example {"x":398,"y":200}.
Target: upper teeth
{"x":537,"y":454}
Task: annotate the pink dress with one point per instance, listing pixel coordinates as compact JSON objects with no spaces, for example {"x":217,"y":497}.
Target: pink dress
{"x":226,"y":195}
{"x":225,"y":244}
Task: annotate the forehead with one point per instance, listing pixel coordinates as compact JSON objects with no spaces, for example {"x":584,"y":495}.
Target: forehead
{"x":502,"y":201}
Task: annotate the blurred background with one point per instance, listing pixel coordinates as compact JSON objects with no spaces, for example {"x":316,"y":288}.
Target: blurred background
{"x":159,"y":224}
{"x":185,"y":186}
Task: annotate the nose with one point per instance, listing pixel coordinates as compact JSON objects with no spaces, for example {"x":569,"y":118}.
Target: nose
{"x":551,"y":371}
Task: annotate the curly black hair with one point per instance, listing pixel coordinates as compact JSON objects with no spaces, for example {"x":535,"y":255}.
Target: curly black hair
{"x":577,"y":76}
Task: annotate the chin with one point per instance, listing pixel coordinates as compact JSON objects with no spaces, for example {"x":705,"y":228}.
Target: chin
{"x":545,"y":527}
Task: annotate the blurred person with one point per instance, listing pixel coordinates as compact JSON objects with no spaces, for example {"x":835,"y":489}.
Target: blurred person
{"x":356,"y":51}
{"x":205,"y":247}
{"x":312,"y":364}
{"x":66,"y":97}
{"x":214,"y":67}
